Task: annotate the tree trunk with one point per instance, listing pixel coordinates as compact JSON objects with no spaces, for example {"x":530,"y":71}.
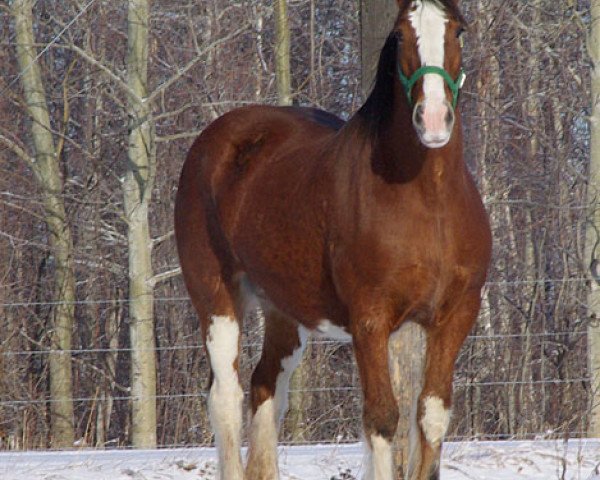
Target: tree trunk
{"x":406,"y":357}
{"x":259,"y":66}
{"x":376,"y":20}
{"x":532,"y":115}
{"x":137,"y":191}
{"x":312,"y":85}
{"x":46,"y":168}
{"x":406,"y":347}
{"x":282,"y":54}
{"x":106,"y":403}
{"x":593,"y":227}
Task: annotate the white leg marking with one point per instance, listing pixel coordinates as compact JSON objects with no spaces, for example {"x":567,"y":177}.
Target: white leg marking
{"x":262,"y":452}
{"x":435,"y":420}
{"x":380,"y":461}
{"x":429,"y":22}
{"x":226,"y":396}
{"x":264,"y":426}
{"x":288,"y":365}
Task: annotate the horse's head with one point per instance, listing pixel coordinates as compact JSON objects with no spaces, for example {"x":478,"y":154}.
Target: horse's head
{"x":429,"y":65}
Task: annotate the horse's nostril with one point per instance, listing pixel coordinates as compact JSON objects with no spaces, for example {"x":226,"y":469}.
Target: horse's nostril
{"x":418,"y":116}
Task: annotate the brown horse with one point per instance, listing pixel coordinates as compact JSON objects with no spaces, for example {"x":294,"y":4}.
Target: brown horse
{"x":339,"y":228}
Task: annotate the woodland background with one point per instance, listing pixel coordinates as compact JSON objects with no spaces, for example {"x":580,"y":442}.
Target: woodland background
{"x":86,"y":200}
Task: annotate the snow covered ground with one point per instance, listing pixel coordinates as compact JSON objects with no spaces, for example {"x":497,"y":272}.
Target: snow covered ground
{"x":579,"y":460}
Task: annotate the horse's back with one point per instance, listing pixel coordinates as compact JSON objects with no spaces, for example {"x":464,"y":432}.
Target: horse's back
{"x":238,"y":143}
{"x":318,"y":116}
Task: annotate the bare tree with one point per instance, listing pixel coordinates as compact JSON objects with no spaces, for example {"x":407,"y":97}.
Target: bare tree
{"x":593,"y":228}
{"x":527,"y":142}
{"x":282,"y":54}
{"x":137,"y":193}
{"x":46,"y":166}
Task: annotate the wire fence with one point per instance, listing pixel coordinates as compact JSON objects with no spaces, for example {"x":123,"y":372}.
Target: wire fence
{"x":121,"y":301}
{"x":512,"y":380}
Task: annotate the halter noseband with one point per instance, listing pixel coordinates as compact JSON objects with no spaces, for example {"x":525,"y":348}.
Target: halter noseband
{"x":409,"y":83}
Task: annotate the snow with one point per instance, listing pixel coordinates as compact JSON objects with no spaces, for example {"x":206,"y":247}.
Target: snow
{"x":539,"y":460}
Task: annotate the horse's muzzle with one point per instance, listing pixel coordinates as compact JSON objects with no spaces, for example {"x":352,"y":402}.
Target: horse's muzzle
{"x":434,"y":122}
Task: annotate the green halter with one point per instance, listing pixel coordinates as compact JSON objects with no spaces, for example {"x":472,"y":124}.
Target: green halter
{"x":409,"y":83}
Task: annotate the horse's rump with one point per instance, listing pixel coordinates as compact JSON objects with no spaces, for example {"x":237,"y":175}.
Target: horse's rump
{"x":262,"y":187}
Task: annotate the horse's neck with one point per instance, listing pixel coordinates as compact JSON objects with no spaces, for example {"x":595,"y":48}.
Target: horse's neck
{"x":399,"y":158}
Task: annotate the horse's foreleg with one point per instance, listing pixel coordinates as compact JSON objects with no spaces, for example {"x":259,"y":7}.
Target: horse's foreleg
{"x":433,"y":409}
{"x":380,"y":410}
{"x":282,"y":351}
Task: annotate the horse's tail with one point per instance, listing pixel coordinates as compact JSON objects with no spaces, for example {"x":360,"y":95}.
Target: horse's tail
{"x":202,"y":246}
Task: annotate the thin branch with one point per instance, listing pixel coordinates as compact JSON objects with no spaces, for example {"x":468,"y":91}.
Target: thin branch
{"x":17,"y":150}
{"x":178,"y":111}
{"x":23,"y":241}
{"x":164,"y":276}
{"x":103,"y":265}
{"x":162,"y":238}
{"x":199,"y":55}
{"x":21,"y":208}
{"x":113,"y":76}
{"x":177,"y":136}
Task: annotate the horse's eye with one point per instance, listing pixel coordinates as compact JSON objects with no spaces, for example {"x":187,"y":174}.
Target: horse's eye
{"x":399,"y":37}
{"x":459,"y":32}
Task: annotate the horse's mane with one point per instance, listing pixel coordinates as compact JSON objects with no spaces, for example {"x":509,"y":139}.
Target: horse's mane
{"x":378,"y":108}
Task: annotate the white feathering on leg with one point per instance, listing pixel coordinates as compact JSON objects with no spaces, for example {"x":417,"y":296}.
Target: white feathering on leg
{"x":226,"y":395}
{"x":435,"y":420}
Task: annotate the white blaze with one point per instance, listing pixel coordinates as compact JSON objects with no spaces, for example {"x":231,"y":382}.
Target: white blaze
{"x":429,"y":22}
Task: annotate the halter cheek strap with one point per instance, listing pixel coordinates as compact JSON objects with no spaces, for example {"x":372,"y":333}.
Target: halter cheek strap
{"x":454,"y":86}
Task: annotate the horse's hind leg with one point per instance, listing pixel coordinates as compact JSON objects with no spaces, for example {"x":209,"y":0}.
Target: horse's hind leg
{"x":222,"y":339}
{"x":434,"y":403}
{"x":209,"y":274}
{"x":282,"y":351}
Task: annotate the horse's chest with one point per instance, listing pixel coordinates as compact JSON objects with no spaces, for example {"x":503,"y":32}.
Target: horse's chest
{"x":417,"y":263}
